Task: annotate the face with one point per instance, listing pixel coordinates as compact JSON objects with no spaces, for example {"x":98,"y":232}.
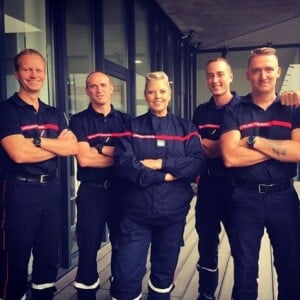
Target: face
{"x":263,"y":72}
{"x":218,"y":77}
{"x":99,"y":89}
{"x":158,"y":96}
{"x":31,"y":74}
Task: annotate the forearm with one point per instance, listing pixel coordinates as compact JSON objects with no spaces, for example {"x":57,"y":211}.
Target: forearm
{"x":282,"y":150}
{"x":211,"y":148}
{"x":93,"y":159}
{"x":61,"y":147}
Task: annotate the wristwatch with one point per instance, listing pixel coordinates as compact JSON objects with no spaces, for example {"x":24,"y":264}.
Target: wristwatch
{"x":99,"y":148}
{"x":251,"y":141}
{"x":37,"y":141}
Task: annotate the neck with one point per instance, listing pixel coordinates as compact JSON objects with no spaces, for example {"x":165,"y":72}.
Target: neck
{"x":263,"y":100}
{"x":223,"y":99}
{"x":104,"y":109}
{"x":30,"y":98}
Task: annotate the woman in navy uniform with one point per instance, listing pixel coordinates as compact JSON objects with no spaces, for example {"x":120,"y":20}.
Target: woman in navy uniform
{"x":158,"y":161}
{"x":33,"y":135}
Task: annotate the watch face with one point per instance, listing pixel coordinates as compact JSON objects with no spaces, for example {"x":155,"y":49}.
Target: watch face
{"x":251,"y":141}
{"x":37,"y":142}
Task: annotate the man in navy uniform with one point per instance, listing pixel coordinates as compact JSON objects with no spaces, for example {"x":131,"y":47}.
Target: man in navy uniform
{"x":260,"y":141}
{"x":97,"y":128}
{"x":33,"y":135}
{"x":215,"y":184}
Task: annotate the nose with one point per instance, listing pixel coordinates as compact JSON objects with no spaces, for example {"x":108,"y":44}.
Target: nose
{"x":263,"y":74}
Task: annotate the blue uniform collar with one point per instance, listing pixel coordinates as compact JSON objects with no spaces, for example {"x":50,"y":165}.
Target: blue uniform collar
{"x":113,"y":112}
{"x":248,"y":100}
{"x":17,"y":100}
{"x":235,"y":98}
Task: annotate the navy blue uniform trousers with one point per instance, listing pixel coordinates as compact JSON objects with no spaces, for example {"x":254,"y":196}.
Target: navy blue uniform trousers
{"x":31,"y":220}
{"x":166,"y":238}
{"x":96,"y":206}
{"x":278,"y":212}
{"x":213,"y":201}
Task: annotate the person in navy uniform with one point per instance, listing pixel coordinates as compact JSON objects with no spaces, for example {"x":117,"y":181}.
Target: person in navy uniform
{"x":158,"y":161}
{"x":260,"y":142}
{"x":33,"y":135}
{"x":215,"y":184}
{"x":97,"y":128}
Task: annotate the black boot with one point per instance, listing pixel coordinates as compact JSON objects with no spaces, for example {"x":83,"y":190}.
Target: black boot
{"x":44,"y":294}
{"x":86,"y":294}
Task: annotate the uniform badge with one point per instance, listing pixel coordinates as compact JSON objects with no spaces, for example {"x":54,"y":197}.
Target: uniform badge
{"x":160,"y":143}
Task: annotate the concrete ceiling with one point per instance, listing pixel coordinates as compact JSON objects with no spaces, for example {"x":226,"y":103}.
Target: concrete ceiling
{"x":236,"y":23}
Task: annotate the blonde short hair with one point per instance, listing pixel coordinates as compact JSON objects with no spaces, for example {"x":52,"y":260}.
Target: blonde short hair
{"x":158,"y":75}
{"x":261,"y":51}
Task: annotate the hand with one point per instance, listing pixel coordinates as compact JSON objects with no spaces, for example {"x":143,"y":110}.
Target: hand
{"x":289,"y":98}
{"x":154,"y":164}
{"x":169,"y":177}
{"x":67,"y":135}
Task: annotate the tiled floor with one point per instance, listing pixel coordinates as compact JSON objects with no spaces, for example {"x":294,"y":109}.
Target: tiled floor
{"x":186,"y":277}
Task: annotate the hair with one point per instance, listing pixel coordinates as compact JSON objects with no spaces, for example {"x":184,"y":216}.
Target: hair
{"x":216,"y":59}
{"x":94,"y":72}
{"x":158,"y":75}
{"x":26,"y":52}
{"x":261,"y":51}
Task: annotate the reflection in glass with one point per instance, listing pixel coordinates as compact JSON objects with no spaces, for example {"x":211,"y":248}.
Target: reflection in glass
{"x":142,"y":61}
{"x":114,"y":32}
{"x":25,"y":27}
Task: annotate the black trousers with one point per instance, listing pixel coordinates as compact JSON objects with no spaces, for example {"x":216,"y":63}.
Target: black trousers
{"x":212,"y":207}
{"x":96,"y":206}
{"x":31,"y":221}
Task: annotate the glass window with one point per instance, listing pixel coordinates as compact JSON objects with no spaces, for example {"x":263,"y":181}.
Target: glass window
{"x":142,"y":59}
{"x":114,"y":32}
{"x":25,"y":27}
{"x":80,"y":64}
{"x":118,"y":98}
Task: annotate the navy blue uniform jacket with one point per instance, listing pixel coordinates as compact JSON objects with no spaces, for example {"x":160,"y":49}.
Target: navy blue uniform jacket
{"x":177,"y":142}
{"x":276,"y":122}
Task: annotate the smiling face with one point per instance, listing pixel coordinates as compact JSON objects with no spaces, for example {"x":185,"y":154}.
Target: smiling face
{"x":31,"y":73}
{"x":158,"y":95}
{"x":263,"y":71}
{"x":219,"y":78}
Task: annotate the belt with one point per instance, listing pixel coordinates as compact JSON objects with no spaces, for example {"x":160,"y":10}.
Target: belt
{"x":43,"y":178}
{"x":265,"y":188}
{"x":106,"y":184}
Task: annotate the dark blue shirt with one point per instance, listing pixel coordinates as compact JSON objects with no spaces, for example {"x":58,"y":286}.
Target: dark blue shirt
{"x":207,"y":118}
{"x":276,"y":122}
{"x":18,"y":117}
{"x":95,"y":128}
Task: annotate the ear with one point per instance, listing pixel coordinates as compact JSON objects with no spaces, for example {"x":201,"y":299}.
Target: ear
{"x":278,"y":72}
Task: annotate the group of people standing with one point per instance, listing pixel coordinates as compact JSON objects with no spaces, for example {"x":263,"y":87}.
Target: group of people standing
{"x":135,"y":176}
